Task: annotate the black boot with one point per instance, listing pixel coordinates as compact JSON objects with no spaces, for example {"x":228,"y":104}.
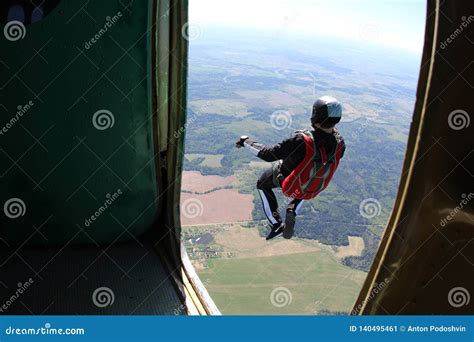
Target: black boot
{"x":289,"y":226}
{"x":276,"y":231}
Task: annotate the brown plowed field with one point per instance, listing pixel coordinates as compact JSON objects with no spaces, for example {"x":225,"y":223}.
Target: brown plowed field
{"x":220,"y":206}
{"x":194,"y":181}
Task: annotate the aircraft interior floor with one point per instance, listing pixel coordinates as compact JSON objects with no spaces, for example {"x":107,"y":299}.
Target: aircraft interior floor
{"x":122,"y":279}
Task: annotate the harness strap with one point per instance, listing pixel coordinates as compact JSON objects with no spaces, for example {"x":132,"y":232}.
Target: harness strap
{"x":319,"y":153}
{"x":315,"y":170}
{"x":297,"y":177}
{"x":320,"y":166}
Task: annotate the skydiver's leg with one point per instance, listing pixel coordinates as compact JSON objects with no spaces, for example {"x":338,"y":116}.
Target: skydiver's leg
{"x":265,"y":185}
{"x":295,"y":205}
{"x":292,"y":210}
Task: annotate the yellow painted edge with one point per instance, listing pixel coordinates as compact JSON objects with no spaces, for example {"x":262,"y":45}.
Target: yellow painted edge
{"x":193,"y":302}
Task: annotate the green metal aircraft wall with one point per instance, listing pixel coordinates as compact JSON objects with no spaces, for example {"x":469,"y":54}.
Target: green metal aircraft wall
{"x":76,"y":133}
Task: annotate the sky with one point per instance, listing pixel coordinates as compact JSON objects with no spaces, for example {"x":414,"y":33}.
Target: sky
{"x":392,"y":23}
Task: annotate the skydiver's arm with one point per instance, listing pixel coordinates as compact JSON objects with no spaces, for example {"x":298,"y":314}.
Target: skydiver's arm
{"x":273,"y":152}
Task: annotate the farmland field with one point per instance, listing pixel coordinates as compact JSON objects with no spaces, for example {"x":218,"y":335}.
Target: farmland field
{"x":247,"y":269}
{"x":241,"y":269}
{"x":316,"y":281}
{"x":210,"y":160}
{"x":194,"y":181}
{"x":226,"y":205}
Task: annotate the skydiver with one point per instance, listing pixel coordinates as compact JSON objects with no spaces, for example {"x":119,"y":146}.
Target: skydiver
{"x":302,"y":165}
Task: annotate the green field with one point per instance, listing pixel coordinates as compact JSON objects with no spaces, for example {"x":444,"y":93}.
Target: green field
{"x":316,"y":281}
{"x":210,"y":160}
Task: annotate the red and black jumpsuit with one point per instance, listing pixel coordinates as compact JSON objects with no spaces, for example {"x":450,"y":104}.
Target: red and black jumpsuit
{"x":287,"y":155}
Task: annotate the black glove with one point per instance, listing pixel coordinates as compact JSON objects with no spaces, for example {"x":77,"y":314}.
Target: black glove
{"x":240,"y":142}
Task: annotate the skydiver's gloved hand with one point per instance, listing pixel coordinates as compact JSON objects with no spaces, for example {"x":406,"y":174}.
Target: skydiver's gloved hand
{"x":240,"y":142}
